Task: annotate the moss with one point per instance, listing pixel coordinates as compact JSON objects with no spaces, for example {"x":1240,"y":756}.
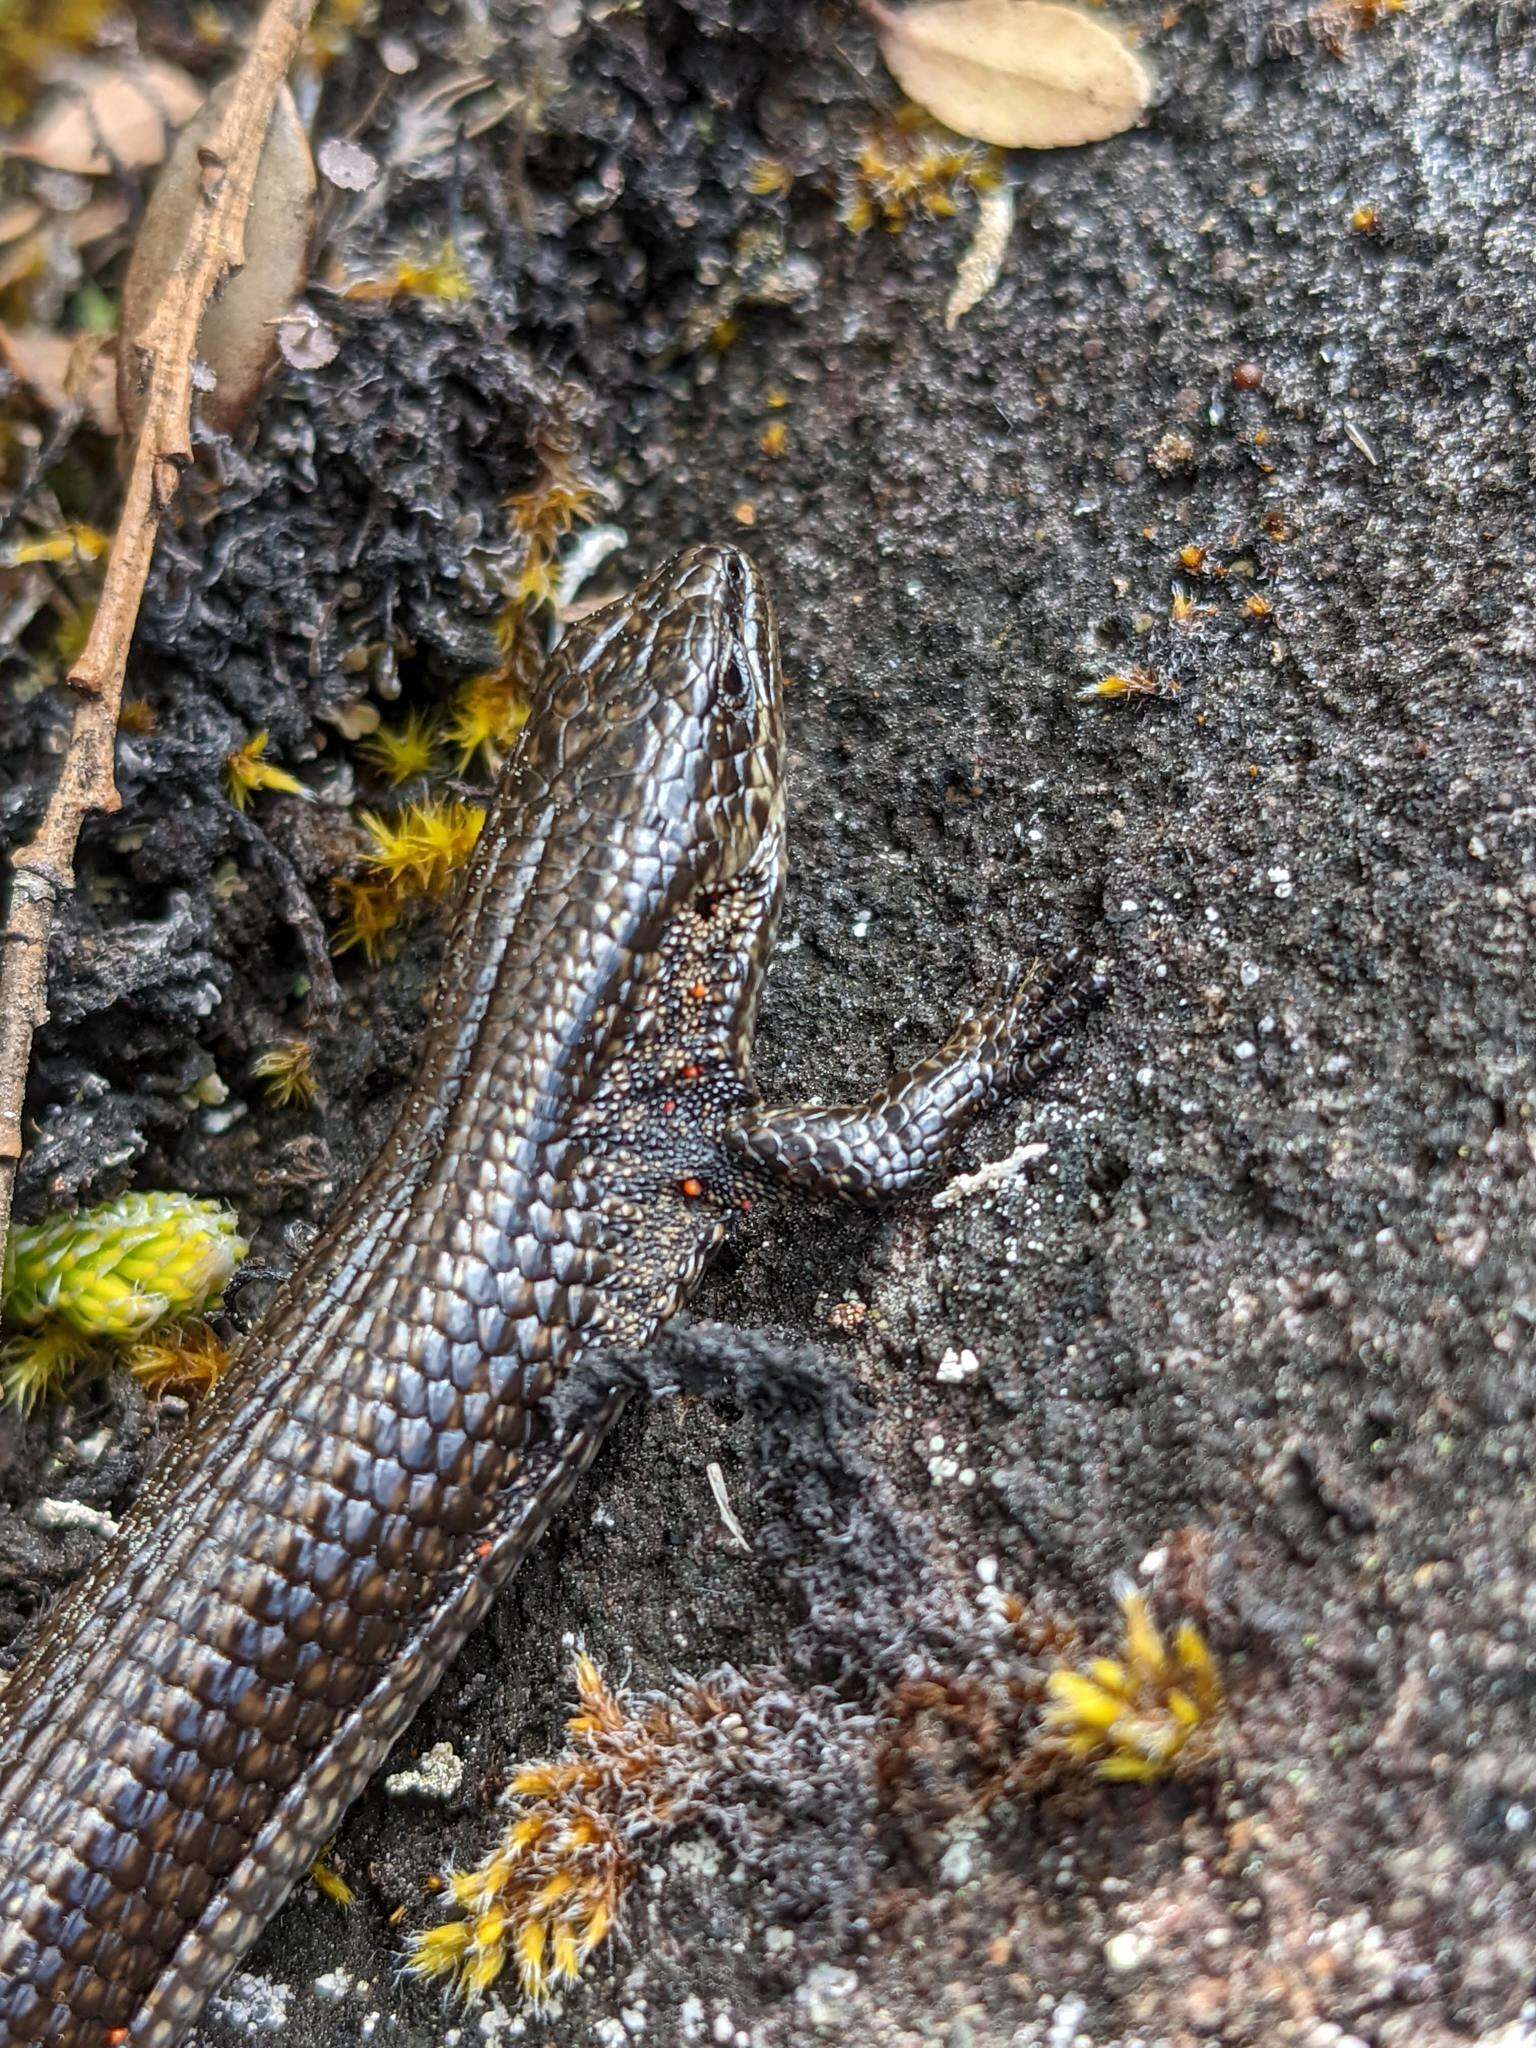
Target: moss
{"x":400,"y":753}
{"x":1151,"y":1710}
{"x":287,"y":1073}
{"x":246,"y":770}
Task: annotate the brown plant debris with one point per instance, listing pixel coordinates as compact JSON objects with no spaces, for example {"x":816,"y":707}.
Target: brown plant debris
{"x":165,"y":347}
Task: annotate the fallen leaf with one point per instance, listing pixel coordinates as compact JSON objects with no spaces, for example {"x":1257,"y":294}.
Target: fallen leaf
{"x":238,"y":338}
{"x":1024,"y":74}
{"x":61,"y":370}
{"x":93,"y":223}
{"x":102,"y":117}
{"x":19,"y":218}
{"x":35,"y":254}
{"x":982,"y":264}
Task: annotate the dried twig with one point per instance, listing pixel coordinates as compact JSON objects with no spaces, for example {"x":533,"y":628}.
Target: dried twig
{"x":44,"y":869}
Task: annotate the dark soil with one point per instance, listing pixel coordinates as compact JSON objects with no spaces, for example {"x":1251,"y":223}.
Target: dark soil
{"x":1257,"y":1326}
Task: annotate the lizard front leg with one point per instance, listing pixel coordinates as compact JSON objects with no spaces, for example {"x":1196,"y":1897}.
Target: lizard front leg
{"x":871,"y":1151}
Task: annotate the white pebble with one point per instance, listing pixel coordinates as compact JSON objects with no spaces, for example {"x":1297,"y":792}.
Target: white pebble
{"x":1128,"y":1951}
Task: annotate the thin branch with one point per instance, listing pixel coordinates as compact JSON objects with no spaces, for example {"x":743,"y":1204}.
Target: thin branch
{"x":165,"y":346}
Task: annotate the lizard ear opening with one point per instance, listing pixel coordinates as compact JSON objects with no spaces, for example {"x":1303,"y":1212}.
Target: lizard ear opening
{"x":737,"y":682}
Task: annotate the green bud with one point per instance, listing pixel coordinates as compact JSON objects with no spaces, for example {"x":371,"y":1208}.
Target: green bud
{"x":116,"y":1270}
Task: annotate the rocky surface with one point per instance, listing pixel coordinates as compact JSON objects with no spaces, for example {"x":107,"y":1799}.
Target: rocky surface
{"x":1251,"y":1298}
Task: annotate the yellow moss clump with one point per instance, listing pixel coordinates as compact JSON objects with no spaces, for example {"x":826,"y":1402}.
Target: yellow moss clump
{"x":488,"y":713}
{"x":329,"y":1882}
{"x":560,"y":501}
{"x":370,"y":913}
{"x":70,"y":544}
{"x":111,"y":1276}
{"x":441,"y":277}
{"x":549,"y":1892}
{"x":35,"y":1367}
{"x":333,"y":28}
{"x":246,"y":770}
{"x":34,"y":34}
{"x":402,"y":752}
{"x":188,"y":1358}
{"x":910,"y":166}
{"x":421,"y":849}
{"x":768,"y":177}
{"x":1151,"y":1710}
{"x":287,"y":1071}
{"x":413,"y":855}
{"x":1136,"y":682}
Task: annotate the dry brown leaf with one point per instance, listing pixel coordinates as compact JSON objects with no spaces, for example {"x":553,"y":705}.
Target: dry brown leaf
{"x":19,"y":218}
{"x":101,"y":116}
{"x":36,"y":255}
{"x":1024,"y":74}
{"x":95,"y":221}
{"x":61,"y":370}
{"x":21,"y":260}
{"x":238,"y":338}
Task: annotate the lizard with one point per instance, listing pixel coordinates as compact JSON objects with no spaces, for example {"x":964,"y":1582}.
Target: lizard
{"x":201,"y":1707}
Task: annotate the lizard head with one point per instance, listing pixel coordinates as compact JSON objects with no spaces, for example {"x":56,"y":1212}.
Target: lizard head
{"x":663,"y":712}
{"x":655,"y":745}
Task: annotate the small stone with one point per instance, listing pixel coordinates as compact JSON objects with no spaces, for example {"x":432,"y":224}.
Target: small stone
{"x":825,"y":1994}
{"x":1128,"y":1951}
{"x":437,"y":1775}
{"x":1171,"y":453}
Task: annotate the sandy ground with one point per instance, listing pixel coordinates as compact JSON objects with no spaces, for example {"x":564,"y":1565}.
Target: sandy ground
{"x":1251,"y":1300}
